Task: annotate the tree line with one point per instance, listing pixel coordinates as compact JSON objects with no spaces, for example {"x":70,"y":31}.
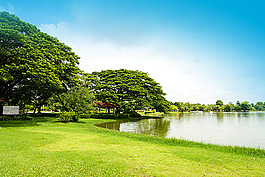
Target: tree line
{"x":219,"y":106}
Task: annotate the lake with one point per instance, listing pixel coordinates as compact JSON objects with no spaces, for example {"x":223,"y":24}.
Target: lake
{"x":236,"y":128}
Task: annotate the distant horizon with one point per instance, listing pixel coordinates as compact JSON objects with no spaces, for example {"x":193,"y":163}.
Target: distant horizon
{"x":199,"y":51}
{"x":215,"y":102}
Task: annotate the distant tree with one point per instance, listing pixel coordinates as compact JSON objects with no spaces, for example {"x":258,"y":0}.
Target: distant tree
{"x":219,"y":102}
{"x":209,"y":108}
{"x":180,"y":105}
{"x":33,"y":65}
{"x":245,"y":106}
{"x":127,"y":89}
{"x":173,"y":108}
{"x":259,"y":106}
{"x":187,"y":107}
{"x":228,"y":108}
{"x":215,"y":107}
{"x":252,"y":107}
{"x":195,"y":107}
{"x":237,"y":108}
{"x":202,"y":107}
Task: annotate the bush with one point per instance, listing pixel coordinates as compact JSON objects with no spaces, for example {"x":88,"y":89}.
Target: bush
{"x":68,"y":117}
{"x":123,"y":116}
{"x":132,"y":113}
{"x":108,"y":116}
{"x":98,"y":116}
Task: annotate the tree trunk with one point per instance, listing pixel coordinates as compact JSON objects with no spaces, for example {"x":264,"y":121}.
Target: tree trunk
{"x":39,"y":108}
{"x":118,"y":111}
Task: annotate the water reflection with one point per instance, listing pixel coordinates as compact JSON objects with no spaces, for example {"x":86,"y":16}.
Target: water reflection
{"x":156,"y":127}
{"x":220,"y":118}
{"x":242,"y":129}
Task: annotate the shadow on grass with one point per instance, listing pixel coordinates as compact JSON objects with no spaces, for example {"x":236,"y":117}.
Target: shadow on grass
{"x":36,"y":121}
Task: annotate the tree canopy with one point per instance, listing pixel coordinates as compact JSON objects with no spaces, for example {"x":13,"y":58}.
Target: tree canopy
{"x":33,"y":65}
{"x":78,"y":100}
{"x":127,"y":89}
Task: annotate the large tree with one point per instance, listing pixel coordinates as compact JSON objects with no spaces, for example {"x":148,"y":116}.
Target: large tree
{"x":78,"y":100}
{"x":127,"y":89}
{"x":33,"y":65}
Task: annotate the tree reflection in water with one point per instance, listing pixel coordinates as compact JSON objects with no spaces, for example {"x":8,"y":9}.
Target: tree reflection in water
{"x":156,"y":127}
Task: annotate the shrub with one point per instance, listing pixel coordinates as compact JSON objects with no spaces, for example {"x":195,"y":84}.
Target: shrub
{"x":68,"y":117}
{"x":123,"y":116}
{"x":96,"y":116}
{"x":108,"y":116}
{"x":132,"y":113}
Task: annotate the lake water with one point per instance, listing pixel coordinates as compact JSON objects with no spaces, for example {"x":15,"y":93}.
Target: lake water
{"x":241,"y":129}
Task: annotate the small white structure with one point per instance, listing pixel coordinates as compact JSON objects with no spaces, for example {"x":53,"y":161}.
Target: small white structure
{"x":10,"y":110}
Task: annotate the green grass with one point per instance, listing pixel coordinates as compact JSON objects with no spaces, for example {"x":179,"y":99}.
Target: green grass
{"x":44,"y":147}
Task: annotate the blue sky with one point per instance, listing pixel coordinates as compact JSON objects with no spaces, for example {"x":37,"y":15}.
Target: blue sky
{"x":199,"y":51}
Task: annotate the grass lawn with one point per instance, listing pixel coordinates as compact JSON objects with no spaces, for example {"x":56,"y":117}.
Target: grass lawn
{"x":44,"y":147}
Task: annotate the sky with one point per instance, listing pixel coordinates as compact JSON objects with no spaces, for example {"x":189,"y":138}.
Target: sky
{"x":199,"y":51}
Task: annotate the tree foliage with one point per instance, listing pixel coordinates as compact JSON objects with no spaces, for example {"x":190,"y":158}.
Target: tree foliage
{"x":245,"y":106}
{"x":219,"y":102}
{"x":219,"y":106}
{"x":33,"y":65}
{"x":127,"y":89}
{"x":77,"y":100}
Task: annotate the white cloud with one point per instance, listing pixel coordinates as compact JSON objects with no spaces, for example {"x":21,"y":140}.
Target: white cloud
{"x":184,"y":75}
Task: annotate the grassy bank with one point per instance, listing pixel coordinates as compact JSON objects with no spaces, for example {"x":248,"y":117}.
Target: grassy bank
{"x":44,"y":147}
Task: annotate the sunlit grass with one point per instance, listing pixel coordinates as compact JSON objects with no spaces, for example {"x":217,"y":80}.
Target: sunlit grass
{"x":44,"y":147}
